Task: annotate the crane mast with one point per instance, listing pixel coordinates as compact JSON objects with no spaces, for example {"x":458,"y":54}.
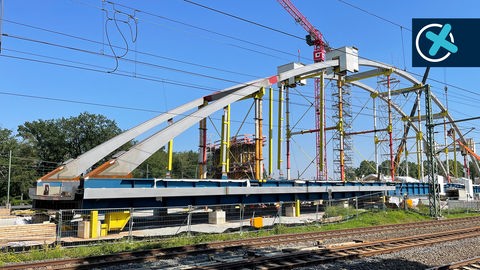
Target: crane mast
{"x":314,"y":38}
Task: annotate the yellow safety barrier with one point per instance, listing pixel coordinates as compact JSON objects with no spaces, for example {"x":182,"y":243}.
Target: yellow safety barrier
{"x":116,"y":221}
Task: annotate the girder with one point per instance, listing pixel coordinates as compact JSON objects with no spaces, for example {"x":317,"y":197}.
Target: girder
{"x":124,"y":164}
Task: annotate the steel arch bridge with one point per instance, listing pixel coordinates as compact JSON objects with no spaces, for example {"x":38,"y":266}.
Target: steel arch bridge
{"x":196,"y":112}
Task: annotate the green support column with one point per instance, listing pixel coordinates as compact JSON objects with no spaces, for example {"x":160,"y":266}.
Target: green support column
{"x":434,"y":194}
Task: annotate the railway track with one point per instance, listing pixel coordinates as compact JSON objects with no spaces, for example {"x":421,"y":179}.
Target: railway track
{"x":326,"y":255}
{"x":245,"y":244}
{"x":470,"y":264}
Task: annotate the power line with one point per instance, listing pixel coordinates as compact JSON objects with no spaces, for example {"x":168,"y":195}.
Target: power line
{"x":96,"y":68}
{"x":373,"y":14}
{"x":132,"y":50}
{"x":123,"y":59}
{"x":245,"y":20}
{"x":204,"y":30}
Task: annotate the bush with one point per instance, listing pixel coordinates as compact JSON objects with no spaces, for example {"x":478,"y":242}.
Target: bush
{"x":339,"y":210}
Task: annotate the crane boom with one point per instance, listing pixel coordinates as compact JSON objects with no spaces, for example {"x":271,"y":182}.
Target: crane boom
{"x":468,"y":150}
{"x":314,"y":37}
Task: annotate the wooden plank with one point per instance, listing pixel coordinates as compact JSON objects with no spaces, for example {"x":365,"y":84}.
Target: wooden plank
{"x":44,"y":233}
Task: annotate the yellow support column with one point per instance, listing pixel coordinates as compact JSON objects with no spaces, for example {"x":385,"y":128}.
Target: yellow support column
{"x":297,"y":208}
{"x":270,"y":134}
{"x":170,"y":153}
{"x":225,"y":142}
{"x":258,"y":135}
{"x":228,"y":138}
{"x":93,"y":224}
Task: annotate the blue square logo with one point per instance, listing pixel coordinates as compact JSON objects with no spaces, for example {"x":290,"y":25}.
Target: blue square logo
{"x":445,"y":42}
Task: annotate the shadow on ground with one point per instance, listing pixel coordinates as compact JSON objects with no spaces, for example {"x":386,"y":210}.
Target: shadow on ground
{"x":369,"y":264}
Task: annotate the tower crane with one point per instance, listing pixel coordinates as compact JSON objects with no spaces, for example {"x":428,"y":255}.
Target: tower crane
{"x":314,"y":38}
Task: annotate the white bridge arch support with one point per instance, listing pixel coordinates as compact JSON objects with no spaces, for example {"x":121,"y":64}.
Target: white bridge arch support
{"x":125,"y":163}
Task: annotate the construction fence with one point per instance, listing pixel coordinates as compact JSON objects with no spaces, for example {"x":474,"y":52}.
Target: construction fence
{"x":88,"y":226}
{"x":461,"y":206}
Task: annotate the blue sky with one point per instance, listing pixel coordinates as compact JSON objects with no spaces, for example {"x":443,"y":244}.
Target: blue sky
{"x":209,"y":51}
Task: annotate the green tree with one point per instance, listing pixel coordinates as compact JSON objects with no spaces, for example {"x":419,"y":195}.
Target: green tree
{"x":23,"y":166}
{"x":412,"y":169}
{"x":473,"y":171}
{"x":350,"y":174}
{"x":451,"y":168}
{"x":185,"y":165}
{"x":58,"y":140}
{"x":366,"y":167}
{"x":154,"y":166}
{"x":384,"y":167}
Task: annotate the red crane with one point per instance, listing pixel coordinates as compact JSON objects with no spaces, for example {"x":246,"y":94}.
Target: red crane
{"x":314,"y":38}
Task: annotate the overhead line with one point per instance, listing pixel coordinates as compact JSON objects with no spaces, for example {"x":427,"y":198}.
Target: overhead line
{"x":201,"y":28}
{"x":132,"y":50}
{"x":116,"y":73}
{"x":126,"y":59}
{"x":155,"y":55}
{"x":403,"y":27}
{"x":245,"y":20}
{"x":374,"y":15}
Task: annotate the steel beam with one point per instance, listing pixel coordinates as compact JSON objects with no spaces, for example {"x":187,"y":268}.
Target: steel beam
{"x":74,"y":168}
{"x":128,"y":161}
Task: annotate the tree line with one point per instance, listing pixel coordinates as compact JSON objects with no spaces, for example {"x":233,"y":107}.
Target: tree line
{"x":409,"y":168}
{"x":40,"y":146}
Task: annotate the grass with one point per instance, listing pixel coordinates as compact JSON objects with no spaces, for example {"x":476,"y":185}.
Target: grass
{"x":363,"y":220}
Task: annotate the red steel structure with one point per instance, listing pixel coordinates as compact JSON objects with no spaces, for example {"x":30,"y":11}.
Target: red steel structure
{"x":314,"y":38}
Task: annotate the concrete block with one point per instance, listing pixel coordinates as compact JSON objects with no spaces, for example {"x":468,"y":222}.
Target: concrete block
{"x":83,"y":229}
{"x":217,"y":217}
{"x":290,"y":211}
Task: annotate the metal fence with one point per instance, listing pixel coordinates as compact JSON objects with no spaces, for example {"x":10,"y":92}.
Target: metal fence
{"x":456,"y":206}
{"x":88,"y":226}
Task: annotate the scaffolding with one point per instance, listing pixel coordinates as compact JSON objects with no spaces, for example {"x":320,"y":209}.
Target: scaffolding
{"x":342,"y":143}
{"x":241,"y":156}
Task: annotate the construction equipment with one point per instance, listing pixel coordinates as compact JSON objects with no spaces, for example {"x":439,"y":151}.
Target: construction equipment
{"x":314,"y":38}
{"x":465,"y":149}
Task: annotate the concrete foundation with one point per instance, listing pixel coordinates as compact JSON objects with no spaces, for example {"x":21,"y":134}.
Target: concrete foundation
{"x":216,"y":217}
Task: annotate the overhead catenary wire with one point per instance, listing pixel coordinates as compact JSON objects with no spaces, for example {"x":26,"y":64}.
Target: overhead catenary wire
{"x":203,"y":29}
{"x":245,"y":20}
{"x":138,"y":76}
{"x":139,"y":62}
{"x":415,"y":74}
{"x":135,"y":51}
{"x":395,"y":24}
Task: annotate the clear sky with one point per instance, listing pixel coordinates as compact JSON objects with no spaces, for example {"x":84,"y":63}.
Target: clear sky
{"x":178,"y":51}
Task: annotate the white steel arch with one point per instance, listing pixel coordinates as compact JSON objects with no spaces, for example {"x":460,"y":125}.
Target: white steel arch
{"x":128,"y":161}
